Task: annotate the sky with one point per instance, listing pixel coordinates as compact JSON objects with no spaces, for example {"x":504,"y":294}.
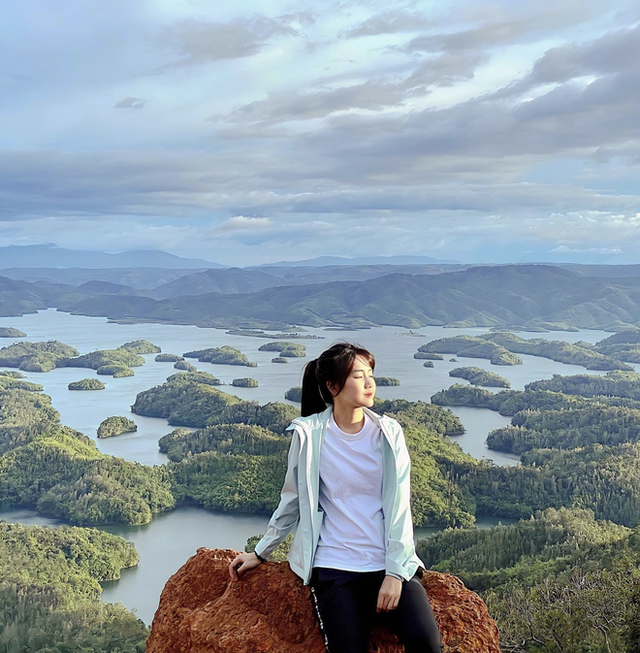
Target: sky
{"x":253,"y":132}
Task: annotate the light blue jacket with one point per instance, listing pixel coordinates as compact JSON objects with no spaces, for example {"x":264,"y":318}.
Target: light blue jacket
{"x":299,"y":509}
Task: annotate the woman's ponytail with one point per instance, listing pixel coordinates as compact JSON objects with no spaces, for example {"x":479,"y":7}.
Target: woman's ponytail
{"x":311,"y":400}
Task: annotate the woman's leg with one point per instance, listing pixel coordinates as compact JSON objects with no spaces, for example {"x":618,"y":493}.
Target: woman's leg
{"x":413,"y":621}
{"x":345,"y":605}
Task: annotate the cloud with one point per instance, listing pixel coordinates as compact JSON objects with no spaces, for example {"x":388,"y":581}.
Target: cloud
{"x":371,"y":95}
{"x":390,"y":22}
{"x":476,"y":127}
{"x":243,"y":224}
{"x":563,"y":249}
{"x":201,"y":41}
{"x":504,"y":24}
{"x":130,"y":103}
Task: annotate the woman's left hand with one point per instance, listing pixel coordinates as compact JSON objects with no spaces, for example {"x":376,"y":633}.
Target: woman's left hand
{"x":389,"y":594}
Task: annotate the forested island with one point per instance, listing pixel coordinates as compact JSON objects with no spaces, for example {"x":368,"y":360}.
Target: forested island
{"x":87,"y":384}
{"x":224,"y":355}
{"x":10,"y":332}
{"x":168,"y":358}
{"x":294,"y":394}
{"x":116,"y":425}
{"x":478,"y":376}
{"x":501,"y":348}
{"x":246,"y":382}
{"x":184,"y":366}
{"x":386,"y":381}
{"x":285,"y":349}
{"x":46,"y":356}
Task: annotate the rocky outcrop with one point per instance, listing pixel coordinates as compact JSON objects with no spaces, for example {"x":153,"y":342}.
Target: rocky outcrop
{"x":203,"y":611}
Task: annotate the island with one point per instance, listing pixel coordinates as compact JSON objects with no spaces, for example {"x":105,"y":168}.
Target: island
{"x":245,"y":383}
{"x":167,"y":358}
{"x":9,"y":332}
{"x":285,"y":349}
{"x":87,"y":384}
{"x":185,"y":366}
{"x":115,"y":370}
{"x":294,"y":394}
{"x":472,"y":347}
{"x":224,"y":355}
{"x":116,"y":425}
{"x":386,"y":381}
{"x":427,"y":355}
{"x":478,"y":376}
{"x":36,"y":356}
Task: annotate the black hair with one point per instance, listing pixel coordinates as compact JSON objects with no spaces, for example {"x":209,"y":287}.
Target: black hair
{"x":332,"y":366}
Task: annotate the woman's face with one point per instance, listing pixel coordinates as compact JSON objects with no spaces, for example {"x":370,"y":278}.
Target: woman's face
{"x":360,"y":387}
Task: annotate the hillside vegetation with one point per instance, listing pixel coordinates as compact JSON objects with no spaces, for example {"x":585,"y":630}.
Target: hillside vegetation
{"x":58,"y":471}
{"x":49,"y":591}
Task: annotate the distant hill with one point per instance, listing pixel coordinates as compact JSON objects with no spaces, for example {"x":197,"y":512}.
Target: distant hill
{"x":139,"y":278}
{"x":20,"y":297}
{"x":108,"y":288}
{"x":240,"y":281}
{"x":48,"y":255}
{"x":500,"y":296}
{"x":361,"y":260}
{"x":230,"y":281}
{"x":533,"y":295}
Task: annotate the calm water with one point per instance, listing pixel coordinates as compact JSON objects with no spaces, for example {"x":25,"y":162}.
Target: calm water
{"x":171,"y":538}
{"x":392,"y":347}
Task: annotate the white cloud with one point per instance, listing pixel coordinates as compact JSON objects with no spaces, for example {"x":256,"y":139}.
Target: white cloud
{"x":242,"y":223}
{"x":410,"y":125}
{"x":130,"y":103}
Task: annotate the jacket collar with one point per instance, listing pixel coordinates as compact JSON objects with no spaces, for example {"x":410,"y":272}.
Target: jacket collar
{"x":322,"y":419}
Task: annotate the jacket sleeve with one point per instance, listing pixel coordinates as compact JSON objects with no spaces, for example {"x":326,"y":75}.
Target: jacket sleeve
{"x":285,"y":518}
{"x":401,"y":560}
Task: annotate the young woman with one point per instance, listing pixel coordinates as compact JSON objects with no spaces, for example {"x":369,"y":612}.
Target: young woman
{"x":346,"y":496}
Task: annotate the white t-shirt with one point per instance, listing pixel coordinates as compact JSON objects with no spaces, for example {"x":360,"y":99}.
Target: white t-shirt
{"x":352,"y":532}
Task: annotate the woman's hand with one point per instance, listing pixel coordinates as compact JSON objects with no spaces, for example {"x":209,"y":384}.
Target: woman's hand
{"x":389,"y":594}
{"x":241,"y":563}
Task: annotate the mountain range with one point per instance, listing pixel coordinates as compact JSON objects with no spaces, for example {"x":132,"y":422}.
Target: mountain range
{"x":530,"y":295}
{"x":48,"y":255}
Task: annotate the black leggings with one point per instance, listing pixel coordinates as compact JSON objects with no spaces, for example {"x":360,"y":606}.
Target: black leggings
{"x":345,"y":605}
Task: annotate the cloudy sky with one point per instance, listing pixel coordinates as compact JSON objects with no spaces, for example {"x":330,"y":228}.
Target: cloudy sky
{"x":250,"y":132}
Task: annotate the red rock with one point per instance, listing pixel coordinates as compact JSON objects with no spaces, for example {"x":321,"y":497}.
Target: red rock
{"x":269,"y":611}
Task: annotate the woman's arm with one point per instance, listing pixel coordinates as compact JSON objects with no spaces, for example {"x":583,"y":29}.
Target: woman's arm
{"x":400,"y":545}
{"x":284,"y":519}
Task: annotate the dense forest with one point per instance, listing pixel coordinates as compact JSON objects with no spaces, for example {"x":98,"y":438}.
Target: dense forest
{"x":557,"y":581}
{"x":58,"y":471}
{"x":49,"y":591}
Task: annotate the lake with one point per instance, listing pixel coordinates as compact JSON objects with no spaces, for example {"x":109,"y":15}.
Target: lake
{"x":166,"y":543}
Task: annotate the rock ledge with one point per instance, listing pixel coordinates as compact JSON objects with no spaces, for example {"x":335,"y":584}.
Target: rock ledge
{"x":202,"y":611}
